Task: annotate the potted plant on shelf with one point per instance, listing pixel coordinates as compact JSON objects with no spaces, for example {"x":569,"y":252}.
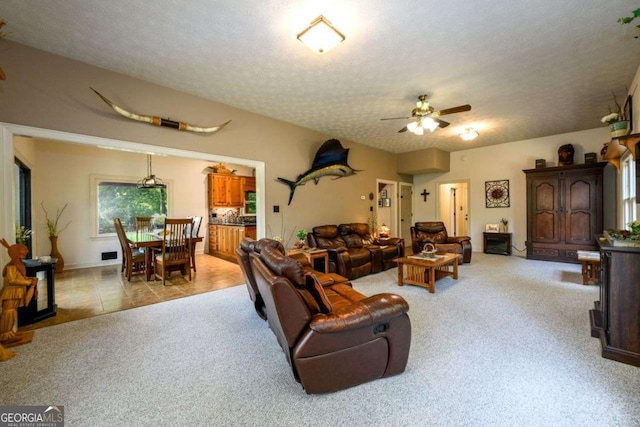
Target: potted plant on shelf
{"x":302,"y":239}
{"x":54,"y":231}
{"x":617,"y":120}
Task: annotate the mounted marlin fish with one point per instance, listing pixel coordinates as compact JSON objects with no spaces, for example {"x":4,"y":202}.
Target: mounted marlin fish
{"x":331,"y":159}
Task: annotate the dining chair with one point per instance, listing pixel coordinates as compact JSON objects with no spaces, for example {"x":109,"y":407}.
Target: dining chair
{"x":195,"y":229}
{"x":133,"y":261}
{"x":176,"y":249}
{"x":144,"y":224}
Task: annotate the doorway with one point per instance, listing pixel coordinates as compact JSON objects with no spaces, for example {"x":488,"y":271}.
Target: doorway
{"x":453,"y":206}
{"x":7,"y":188}
{"x":387,"y":206}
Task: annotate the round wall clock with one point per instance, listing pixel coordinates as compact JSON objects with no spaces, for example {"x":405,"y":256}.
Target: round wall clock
{"x":497,"y":193}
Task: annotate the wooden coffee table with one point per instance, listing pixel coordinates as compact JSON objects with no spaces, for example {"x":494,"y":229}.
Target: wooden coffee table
{"x":425,"y":272}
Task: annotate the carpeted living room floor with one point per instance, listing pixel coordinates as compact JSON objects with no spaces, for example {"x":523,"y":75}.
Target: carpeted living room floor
{"x":507,"y":344}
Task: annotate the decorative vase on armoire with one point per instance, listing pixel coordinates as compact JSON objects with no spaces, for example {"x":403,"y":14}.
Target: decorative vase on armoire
{"x":56,"y":254}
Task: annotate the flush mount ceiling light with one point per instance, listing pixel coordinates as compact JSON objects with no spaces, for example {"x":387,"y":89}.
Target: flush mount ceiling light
{"x":469,"y":134}
{"x":321,"y":36}
{"x":150,"y":181}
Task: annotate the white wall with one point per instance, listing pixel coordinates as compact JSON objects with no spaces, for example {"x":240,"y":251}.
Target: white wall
{"x":507,"y":161}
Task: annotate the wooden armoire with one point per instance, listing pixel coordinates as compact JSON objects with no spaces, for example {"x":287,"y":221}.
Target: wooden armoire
{"x":564,"y":211}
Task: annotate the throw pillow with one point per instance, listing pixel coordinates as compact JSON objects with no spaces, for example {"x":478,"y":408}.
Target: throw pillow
{"x":317,"y":291}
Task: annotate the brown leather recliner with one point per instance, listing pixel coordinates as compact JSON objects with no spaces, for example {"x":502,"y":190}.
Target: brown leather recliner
{"x":249,"y":245}
{"x":328,"y":237}
{"x":357,"y":235}
{"x":435,"y":232}
{"x":349,"y":340}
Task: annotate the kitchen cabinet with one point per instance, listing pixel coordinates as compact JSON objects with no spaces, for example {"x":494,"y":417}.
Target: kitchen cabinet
{"x":564,"y":211}
{"x":225,"y":190}
{"x":250,"y":231}
{"x":224,"y":239}
{"x":213,"y":238}
{"x":249,"y":183}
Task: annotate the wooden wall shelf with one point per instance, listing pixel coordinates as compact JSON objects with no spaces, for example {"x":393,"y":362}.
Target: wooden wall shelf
{"x":619,"y":146}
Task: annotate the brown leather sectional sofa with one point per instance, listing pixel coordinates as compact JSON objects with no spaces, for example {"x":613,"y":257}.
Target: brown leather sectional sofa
{"x":333,"y":336}
{"x":353,"y":252}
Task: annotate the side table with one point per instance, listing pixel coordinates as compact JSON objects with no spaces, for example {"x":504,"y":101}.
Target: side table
{"x":44,"y":306}
{"x":312,"y":255}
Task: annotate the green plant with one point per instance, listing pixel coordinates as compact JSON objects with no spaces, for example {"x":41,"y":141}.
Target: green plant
{"x":301,"y":234}
{"x":629,"y":19}
{"x":22,"y":234}
{"x":52,"y":225}
{"x":504,"y":221}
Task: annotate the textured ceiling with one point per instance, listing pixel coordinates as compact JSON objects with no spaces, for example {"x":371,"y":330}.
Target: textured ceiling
{"x":528,"y":68}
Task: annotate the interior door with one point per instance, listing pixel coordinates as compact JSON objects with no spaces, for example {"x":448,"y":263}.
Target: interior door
{"x":453,"y":207}
{"x":406,"y":212}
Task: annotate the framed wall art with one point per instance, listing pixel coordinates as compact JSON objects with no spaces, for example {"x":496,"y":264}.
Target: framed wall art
{"x":497,"y":193}
{"x":491,"y":228}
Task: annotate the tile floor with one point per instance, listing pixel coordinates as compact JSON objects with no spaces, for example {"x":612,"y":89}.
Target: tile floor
{"x":93,"y":291}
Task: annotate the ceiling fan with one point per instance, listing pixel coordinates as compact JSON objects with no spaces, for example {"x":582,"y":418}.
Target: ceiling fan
{"x":424,"y":117}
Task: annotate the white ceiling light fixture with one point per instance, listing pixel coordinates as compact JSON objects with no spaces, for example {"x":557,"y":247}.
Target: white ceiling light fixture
{"x":321,"y":36}
{"x":150,"y":181}
{"x":469,"y":134}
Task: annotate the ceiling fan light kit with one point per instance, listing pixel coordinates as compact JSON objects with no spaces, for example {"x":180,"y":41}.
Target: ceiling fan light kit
{"x":424,"y":117}
{"x":321,"y":36}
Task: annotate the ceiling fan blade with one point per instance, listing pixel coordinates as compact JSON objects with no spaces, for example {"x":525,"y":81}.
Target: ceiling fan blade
{"x":396,"y":118}
{"x":441,"y":123}
{"x":404,"y":129}
{"x":453,"y":110}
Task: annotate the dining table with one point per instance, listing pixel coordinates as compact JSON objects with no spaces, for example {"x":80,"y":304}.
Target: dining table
{"x":148,"y":241}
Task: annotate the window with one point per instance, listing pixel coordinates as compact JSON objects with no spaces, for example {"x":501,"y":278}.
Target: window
{"x":628,"y":190}
{"x":250,"y":207}
{"x":121,"y":198}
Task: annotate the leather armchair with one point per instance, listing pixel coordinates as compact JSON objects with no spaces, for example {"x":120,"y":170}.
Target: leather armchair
{"x":357,"y":339}
{"x":435,"y":232}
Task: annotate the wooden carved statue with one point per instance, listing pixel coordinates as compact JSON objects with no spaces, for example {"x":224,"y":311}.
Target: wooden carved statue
{"x":17,"y":291}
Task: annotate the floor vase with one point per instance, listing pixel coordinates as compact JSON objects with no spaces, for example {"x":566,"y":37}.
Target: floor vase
{"x":55,"y":253}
